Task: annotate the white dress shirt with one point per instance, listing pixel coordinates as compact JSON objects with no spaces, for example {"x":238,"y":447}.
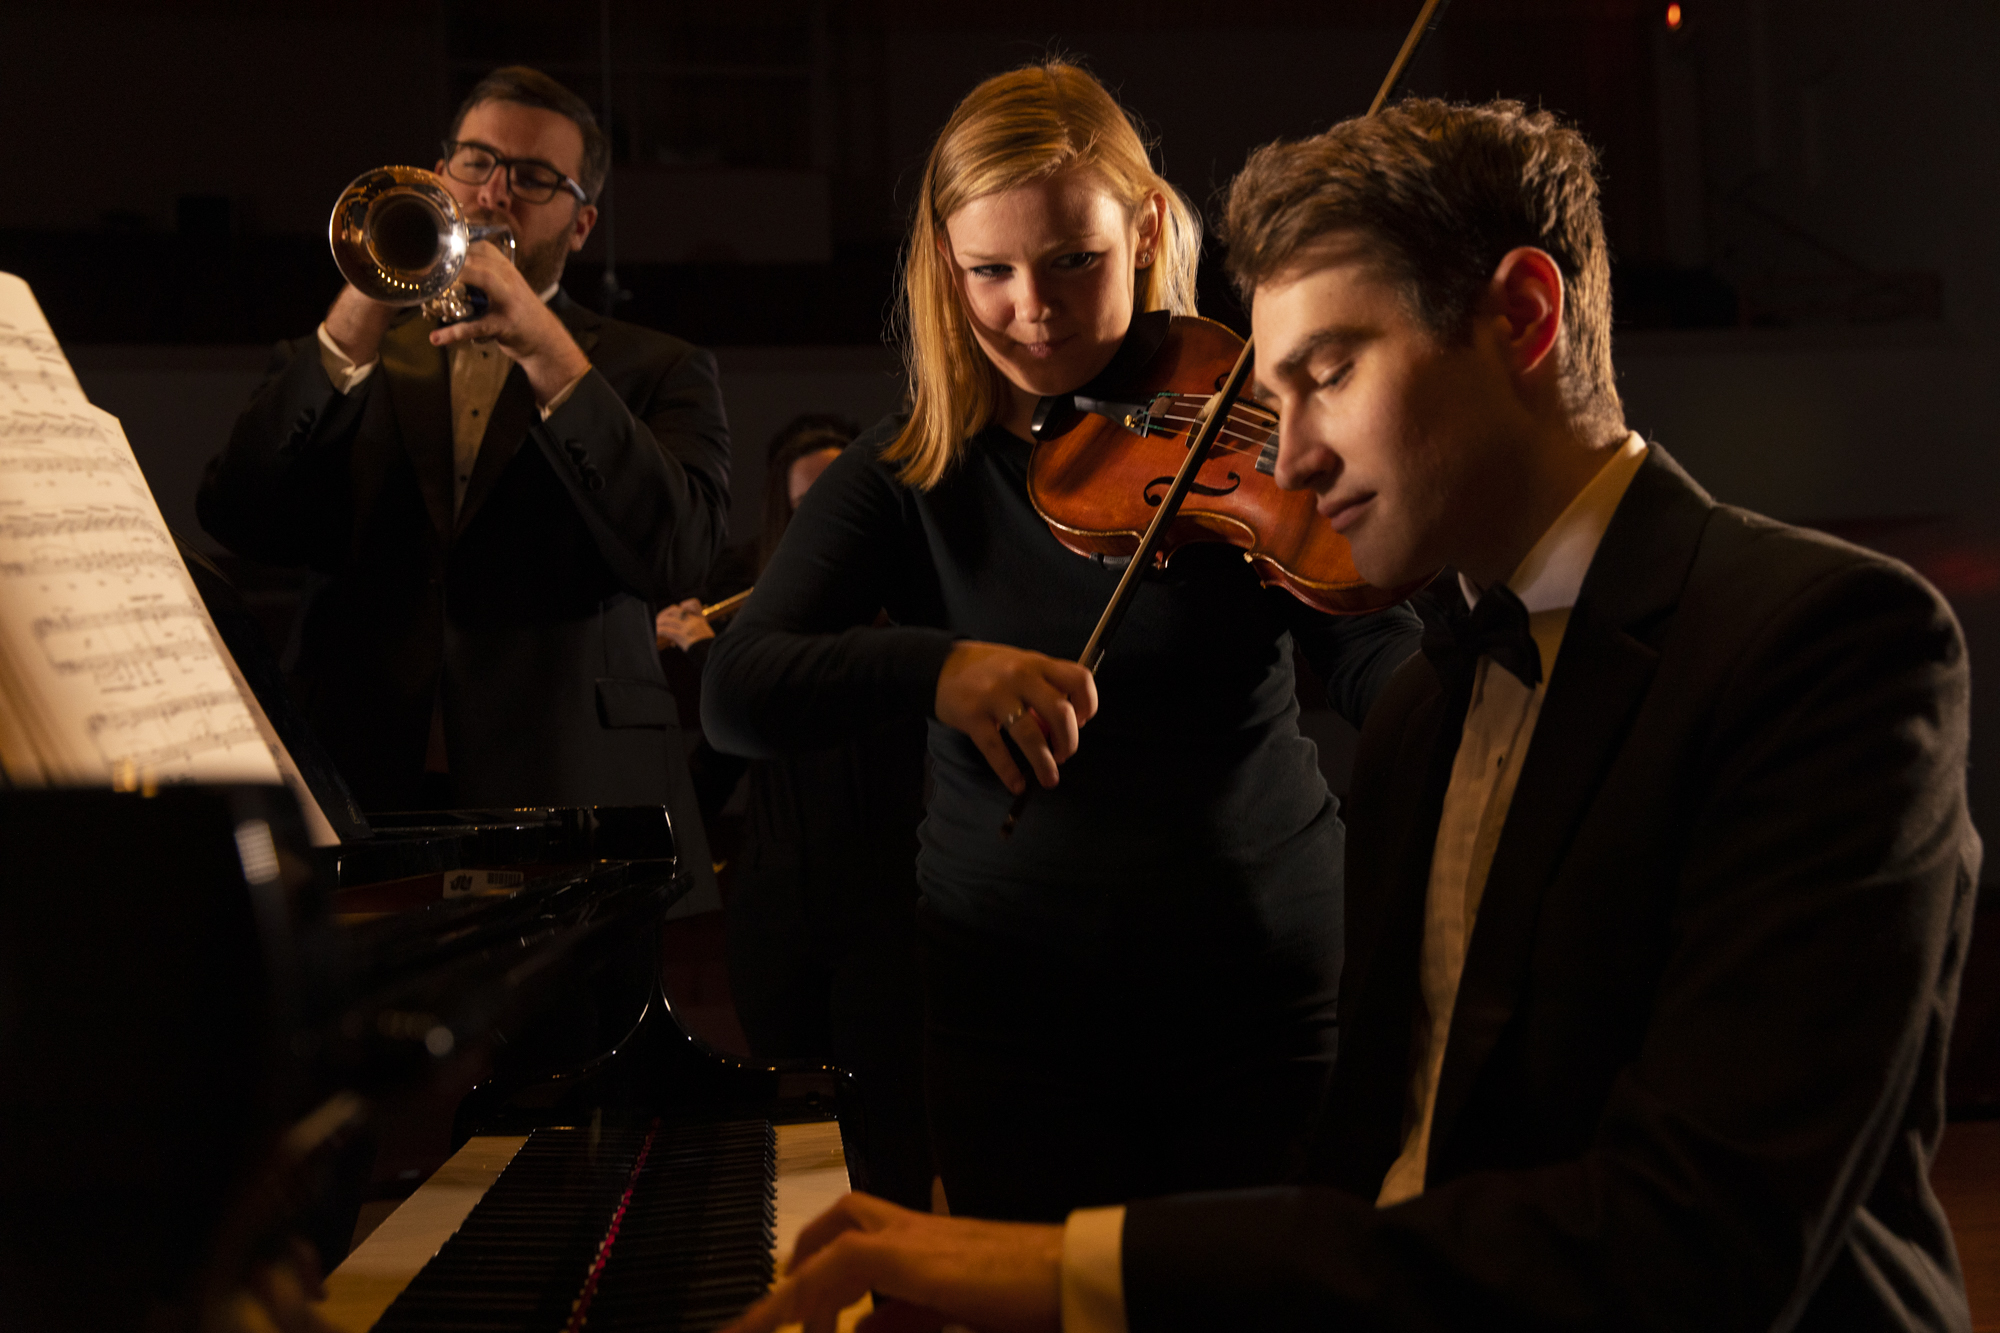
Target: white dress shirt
{"x":478,"y":370}
{"x":1499,"y":724}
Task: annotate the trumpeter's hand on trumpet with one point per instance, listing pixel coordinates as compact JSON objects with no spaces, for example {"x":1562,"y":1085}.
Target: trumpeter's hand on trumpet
{"x":519,"y":321}
{"x":405,"y":237}
{"x":356,"y":324}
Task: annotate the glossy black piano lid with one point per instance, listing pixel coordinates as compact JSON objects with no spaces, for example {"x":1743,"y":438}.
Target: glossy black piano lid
{"x":174,"y":998}
{"x":665,"y":1226}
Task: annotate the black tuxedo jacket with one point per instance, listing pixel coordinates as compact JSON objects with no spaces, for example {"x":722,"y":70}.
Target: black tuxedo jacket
{"x":1694,"y":1077}
{"x":530,"y":615}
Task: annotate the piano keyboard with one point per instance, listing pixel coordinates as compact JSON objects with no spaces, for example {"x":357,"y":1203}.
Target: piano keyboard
{"x":669,"y":1227}
{"x":566,"y":1239}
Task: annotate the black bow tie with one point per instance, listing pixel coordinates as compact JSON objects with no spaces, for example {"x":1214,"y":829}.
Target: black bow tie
{"x":1455,"y":638}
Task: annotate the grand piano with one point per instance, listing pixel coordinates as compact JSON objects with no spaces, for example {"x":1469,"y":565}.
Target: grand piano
{"x":206,"y":1026}
{"x":201,"y":1026}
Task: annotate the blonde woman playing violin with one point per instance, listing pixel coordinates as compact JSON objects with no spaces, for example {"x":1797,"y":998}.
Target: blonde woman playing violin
{"x":1133,"y":994}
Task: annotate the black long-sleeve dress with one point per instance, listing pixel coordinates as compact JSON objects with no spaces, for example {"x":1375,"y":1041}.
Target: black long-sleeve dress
{"x":1134,"y":993}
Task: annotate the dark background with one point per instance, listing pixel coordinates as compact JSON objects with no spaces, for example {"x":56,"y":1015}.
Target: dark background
{"x":1801,"y":195}
{"x":1770,"y":164}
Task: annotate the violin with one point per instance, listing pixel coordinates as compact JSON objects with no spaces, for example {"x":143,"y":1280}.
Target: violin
{"x":1106,"y":457}
{"x":1086,"y":485}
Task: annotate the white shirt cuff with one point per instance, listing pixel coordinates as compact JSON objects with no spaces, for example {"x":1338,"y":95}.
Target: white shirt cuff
{"x":562,"y":396}
{"x":340,"y":368}
{"x":1093,"y":1271}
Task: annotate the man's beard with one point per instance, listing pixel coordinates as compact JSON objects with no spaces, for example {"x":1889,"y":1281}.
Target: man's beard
{"x":541,"y":265}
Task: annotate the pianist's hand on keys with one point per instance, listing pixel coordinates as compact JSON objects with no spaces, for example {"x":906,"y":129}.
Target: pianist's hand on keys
{"x":1000,"y":1277}
{"x":279,"y":1296}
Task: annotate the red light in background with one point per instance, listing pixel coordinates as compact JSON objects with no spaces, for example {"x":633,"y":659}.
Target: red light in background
{"x":1963,"y":572}
{"x":1674,"y":17}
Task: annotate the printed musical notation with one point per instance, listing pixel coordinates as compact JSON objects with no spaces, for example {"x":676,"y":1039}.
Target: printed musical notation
{"x":33,"y":370}
{"x":29,"y":382}
{"x":123,"y":646}
{"x":53,"y":426}
{"x":21,"y":527}
{"x":28,"y":462}
{"x":34,"y":344}
{"x":114,"y":563}
{"x":108,"y":664}
{"x":123,"y":618}
{"x":162,"y":735}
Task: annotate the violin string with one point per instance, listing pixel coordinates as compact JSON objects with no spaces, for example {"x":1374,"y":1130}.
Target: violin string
{"x":1249,"y":415}
{"x":1190,"y":418}
{"x":1260,"y":419}
{"x":1256,"y":423}
{"x":1266,"y":427}
{"x":1244,"y":427}
{"x":1240,"y":405}
{"x":1227,"y":442}
{"x":1240,"y":443}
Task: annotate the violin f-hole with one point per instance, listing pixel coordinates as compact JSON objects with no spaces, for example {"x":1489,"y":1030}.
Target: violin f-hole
{"x":1156,"y":489}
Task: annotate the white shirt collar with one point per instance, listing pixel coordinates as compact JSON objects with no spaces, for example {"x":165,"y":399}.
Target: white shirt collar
{"x":1550,"y":576}
{"x":549,"y":292}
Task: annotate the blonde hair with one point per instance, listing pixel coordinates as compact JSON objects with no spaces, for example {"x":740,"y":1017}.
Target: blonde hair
{"x":1015,"y":129}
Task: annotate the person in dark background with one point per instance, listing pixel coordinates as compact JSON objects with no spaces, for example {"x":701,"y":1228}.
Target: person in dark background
{"x":793,"y":460}
{"x":494,"y":505}
{"x":821,"y":908}
{"x":1135,"y":992}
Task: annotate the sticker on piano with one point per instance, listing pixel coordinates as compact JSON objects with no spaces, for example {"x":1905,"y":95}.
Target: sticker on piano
{"x":463,"y":883}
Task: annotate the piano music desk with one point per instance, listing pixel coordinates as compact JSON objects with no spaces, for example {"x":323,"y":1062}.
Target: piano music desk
{"x":812,"y":1173}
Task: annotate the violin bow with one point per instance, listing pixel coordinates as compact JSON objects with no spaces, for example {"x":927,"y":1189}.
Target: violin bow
{"x":1214,"y":415}
{"x":1427,"y":22}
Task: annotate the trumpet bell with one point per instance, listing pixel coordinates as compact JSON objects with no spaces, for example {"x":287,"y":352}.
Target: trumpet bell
{"x":400,"y":238}
{"x":403,"y":236}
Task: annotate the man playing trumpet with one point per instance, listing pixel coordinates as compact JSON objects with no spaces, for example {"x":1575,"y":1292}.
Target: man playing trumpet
{"x":494,"y":504}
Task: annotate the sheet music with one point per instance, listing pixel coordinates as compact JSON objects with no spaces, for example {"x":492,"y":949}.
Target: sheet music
{"x":110,"y":671}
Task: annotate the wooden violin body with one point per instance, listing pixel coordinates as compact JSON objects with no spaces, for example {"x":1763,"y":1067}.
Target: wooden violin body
{"x":1099,"y":474}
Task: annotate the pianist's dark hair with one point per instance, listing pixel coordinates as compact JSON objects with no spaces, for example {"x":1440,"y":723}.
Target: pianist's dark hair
{"x":802,"y":435}
{"x":531,"y":87}
{"x":1440,"y":193}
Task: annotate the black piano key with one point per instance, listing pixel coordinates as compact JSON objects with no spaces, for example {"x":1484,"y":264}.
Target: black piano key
{"x":693,"y":1248}
{"x":701,"y":1225}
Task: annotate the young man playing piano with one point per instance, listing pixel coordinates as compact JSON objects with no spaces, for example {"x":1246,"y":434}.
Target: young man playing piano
{"x":1660,"y":874}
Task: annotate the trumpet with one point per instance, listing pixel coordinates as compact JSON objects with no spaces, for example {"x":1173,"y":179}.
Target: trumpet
{"x":400,"y":238}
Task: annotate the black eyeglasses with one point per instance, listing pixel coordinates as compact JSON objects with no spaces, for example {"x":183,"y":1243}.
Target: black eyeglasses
{"x":537,"y":182}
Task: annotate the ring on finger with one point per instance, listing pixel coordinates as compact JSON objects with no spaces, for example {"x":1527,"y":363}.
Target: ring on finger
{"x":1014,"y":717}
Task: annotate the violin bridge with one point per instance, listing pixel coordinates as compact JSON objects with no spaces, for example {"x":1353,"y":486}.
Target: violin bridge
{"x":1135,"y":417}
